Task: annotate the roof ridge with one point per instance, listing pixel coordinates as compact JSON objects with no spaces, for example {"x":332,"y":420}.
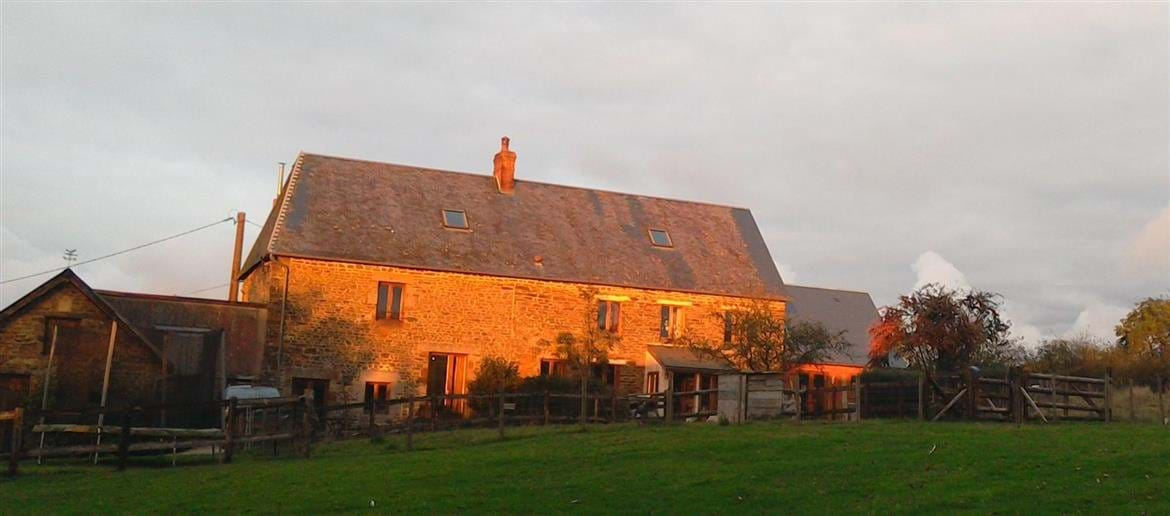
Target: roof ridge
{"x":293,"y":176}
{"x":827,"y":288}
{"x":176,"y":298}
{"x":528,"y":181}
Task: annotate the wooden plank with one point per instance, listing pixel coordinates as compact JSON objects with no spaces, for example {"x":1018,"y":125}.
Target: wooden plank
{"x":124,"y":442}
{"x":1033,"y":403}
{"x":229,"y":430}
{"x":949,"y":405}
{"x":17,"y":420}
{"x":137,"y":431}
{"x":1067,"y":392}
{"x":1063,"y":378}
{"x":1067,"y":406}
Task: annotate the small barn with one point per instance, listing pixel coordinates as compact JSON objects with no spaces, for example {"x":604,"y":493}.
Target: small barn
{"x":66,"y":346}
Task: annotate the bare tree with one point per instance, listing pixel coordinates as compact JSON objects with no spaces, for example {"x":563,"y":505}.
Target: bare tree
{"x":938,"y":328}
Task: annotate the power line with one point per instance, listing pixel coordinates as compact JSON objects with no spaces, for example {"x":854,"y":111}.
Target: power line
{"x":124,"y":251}
{"x":204,"y":289}
{"x":254,"y":224}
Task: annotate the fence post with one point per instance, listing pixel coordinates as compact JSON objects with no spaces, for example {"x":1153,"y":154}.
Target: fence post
{"x":970,"y":406}
{"x":17,"y":429}
{"x":546,"y":407}
{"x":375,"y":433}
{"x":1132,"y":412}
{"x":124,"y":439}
{"x":1052,"y":398}
{"x":229,"y":432}
{"x":1162,"y":400}
{"x":614,"y":411}
{"x":502,"y":398}
{"x":307,"y":425}
{"x":799,"y":402}
{"x":922,"y":396}
{"x":435,"y":413}
{"x":1019,"y":411}
{"x":1108,"y":394}
{"x":858,"y":389}
{"x":584,"y":397}
{"x":410,"y":423}
{"x":668,"y":399}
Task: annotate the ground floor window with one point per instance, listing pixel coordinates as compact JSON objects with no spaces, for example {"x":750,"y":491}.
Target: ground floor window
{"x":553,"y":367}
{"x":652,"y":382}
{"x":690,"y":382}
{"x":318,"y":386}
{"x":376,"y":391}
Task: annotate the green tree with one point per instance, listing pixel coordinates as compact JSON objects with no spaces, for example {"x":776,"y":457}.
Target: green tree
{"x":586,"y":348}
{"x":493,"y":375}
{"x":1145,"y":330}
{"x":761,"y":340}
{"x":938,"y":328}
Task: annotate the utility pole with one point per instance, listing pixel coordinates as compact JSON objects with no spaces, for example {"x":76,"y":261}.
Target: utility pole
{"x":233,"y":284}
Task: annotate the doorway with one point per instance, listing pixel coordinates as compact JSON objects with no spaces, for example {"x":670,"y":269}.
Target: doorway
{"x":446,"y":375}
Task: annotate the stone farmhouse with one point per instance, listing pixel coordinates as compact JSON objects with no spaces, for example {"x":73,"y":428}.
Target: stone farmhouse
{"x":374,"y":280}
{"x":384,"y":280}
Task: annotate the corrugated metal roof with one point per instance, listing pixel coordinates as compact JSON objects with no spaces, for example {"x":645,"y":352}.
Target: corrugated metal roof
{"x":367,"y":212}
{"x":687,"y":359}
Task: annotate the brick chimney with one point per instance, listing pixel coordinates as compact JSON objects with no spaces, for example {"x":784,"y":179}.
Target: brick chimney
{"x":504,"y":167}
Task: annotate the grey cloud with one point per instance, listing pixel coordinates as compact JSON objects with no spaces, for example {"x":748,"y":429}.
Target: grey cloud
{"x":1023,"y":142}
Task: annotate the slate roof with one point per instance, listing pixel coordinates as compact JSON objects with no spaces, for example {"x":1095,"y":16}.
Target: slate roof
{"x":839,"y":310}
{"x":143,"y":314}
{"x":68,"y":277}
{"x":378,"y":213}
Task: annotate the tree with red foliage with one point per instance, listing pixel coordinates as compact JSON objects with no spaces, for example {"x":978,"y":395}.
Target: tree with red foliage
{"x":936,"y":328}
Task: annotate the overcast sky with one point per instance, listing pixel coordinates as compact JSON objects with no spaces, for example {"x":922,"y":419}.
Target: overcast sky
{"x":1023,"y":149}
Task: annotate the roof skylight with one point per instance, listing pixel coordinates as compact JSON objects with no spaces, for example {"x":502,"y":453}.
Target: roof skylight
{"x":456,"y":219}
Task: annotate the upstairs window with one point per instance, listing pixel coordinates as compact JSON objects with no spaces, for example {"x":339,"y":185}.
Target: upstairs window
{"x":389,"y":302}
{"x":609,"y":315}
{"x":660,"y":238}
{"x":455,"y":219}
{"x":671,"y":322}
{"x":728,"y":326}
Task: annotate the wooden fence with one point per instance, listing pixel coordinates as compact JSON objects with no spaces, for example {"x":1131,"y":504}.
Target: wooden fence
{"x":1016,"y":396}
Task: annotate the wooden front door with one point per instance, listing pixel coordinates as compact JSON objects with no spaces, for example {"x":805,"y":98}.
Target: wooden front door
{"x":437,"y":375}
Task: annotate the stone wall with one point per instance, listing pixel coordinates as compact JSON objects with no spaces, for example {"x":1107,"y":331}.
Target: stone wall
{"x":331,"y":332}
{"x":78,"y":370}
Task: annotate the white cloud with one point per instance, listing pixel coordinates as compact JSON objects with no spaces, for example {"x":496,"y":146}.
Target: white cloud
{"x":1097,"y":320}
{"x":1149,"y":252}
{"x":931,"y":267}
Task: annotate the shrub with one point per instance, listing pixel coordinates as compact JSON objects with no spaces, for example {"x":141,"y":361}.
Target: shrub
{"x":492,"y":376}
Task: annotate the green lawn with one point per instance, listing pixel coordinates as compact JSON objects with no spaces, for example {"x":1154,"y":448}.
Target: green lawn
{"x":870,"y":467}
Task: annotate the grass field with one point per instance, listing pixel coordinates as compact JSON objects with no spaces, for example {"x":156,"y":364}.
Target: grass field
{"x":867,"y":467}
